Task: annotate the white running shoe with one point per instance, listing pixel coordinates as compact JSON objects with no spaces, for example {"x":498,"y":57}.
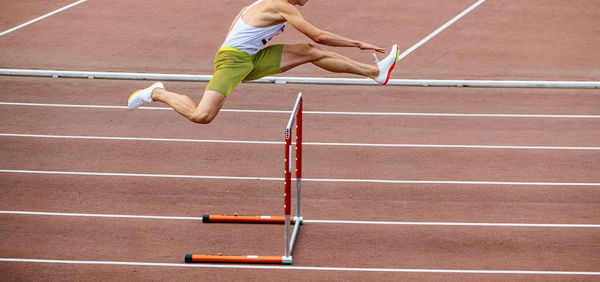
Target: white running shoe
{"x":387,"y":65}
{"x":142,"y":96}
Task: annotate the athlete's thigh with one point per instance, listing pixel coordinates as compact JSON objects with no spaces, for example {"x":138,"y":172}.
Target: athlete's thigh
{"x":266,"y":62}
{"x":211,"y":103}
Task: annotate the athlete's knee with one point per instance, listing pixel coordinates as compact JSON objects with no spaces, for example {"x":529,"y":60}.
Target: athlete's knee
{"x":316,"y":51}
{"x":202,"y":117}
{"x":311,"y":51}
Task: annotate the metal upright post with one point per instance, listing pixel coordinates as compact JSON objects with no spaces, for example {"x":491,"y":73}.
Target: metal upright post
{"x":299,"y":158}
{"x":288,"y":189}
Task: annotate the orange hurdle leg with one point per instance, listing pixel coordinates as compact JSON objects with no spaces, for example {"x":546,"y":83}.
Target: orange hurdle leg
{"x":237,"y":259}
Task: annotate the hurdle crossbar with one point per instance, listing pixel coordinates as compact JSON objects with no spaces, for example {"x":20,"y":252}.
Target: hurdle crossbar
{"x":307,"y":80}
{"x":286,"y":219}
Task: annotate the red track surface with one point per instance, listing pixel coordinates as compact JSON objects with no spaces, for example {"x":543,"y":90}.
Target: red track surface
{"x":499,"y":40}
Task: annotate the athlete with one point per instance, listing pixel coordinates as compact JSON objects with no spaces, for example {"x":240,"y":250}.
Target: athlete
{"x":244,"y":57}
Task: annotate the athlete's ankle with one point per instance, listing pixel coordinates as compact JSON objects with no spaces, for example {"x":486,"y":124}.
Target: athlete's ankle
{"x":373,"y":71}
{"x":157,"y":93}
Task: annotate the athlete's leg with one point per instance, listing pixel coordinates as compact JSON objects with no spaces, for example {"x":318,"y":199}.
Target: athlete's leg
{"x":204,"y":113}
{"x":298,"y":54}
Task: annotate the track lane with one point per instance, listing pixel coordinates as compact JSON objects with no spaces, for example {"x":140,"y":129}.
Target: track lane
{"x":321,"y":201}
{"x":492,"y":131}
{"x":321,"y":162}
{"x":187,"y":272}
{"x":396,"y":246}
{"x":317,"y":97}
{"x":172,"y":43}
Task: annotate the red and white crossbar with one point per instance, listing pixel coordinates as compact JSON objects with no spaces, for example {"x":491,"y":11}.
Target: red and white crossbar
{"x":287,"y":220}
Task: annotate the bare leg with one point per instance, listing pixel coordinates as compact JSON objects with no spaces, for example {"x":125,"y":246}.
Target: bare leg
{"x":204,"y":113}
{"x":298,"y":54}
{"x":293,"y":55}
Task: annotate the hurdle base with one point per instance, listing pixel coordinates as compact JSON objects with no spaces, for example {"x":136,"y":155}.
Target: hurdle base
{"x":189,"y":258}
{"x":210,"y":218}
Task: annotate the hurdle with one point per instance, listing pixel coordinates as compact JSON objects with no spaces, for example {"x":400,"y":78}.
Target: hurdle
{"x":286,"y":219}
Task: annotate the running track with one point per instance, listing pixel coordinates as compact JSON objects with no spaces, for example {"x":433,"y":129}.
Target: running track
{"x":101,"y":193}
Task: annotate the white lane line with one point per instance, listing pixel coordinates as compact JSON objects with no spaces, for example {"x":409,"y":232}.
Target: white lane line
{"x":76,"y":106}
{"x":309,"y":112}
{"x":341,"y":180}
{"x":304,"y":143}
{"x":315,"y":268}
{"x":453,"y":146}
{"x":442,"y":28}
{"x":453,"y":115}
{"x":470,"y":224}
{"x":451,"y":182}
{"x":141,"y":175}
{"x":144,"y":139}
{"x":42,"y":17}
{"x":100,"y":215}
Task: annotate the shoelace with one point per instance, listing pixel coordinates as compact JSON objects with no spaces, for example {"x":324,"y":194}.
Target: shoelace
{"x":376,"y":59}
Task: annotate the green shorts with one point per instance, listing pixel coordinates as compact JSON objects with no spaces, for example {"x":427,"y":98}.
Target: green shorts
{"x":233,"y":66}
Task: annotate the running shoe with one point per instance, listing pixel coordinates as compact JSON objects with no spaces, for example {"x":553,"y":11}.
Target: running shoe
{"x":387,"y":65}
{"x":142,"y":96}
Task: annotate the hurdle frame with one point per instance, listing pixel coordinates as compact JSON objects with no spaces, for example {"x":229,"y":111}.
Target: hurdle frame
{"x":286,"y":219}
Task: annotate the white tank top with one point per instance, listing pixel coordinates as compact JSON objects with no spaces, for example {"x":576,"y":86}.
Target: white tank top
{"x":248,"y":38}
